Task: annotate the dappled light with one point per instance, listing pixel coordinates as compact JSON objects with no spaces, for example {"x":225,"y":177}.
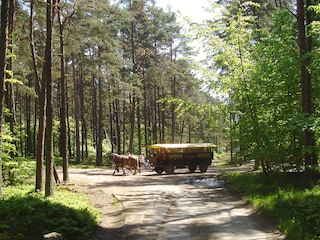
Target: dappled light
{"x":30,"y":217}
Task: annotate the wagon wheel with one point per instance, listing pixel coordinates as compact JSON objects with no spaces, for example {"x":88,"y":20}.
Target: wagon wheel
{"x":203,"y":167}
{"x":169,"y":168}
{"x":192,"y":167}
{"x":158,"y":170}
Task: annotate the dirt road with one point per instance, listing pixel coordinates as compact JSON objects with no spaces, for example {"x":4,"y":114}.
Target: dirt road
{"x":184,"y":206}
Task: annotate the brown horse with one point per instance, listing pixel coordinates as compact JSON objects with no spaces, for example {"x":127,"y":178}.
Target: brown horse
{"x":121,"y":161}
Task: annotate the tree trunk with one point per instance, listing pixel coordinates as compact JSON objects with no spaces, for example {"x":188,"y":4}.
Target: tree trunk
{"x":63,"y":125}
{"x":116,"y":110}
{"x":37,"y":87}
{"x":49,"y":111}
{"x":132,"y":122}
{"x":100,"y":126}
{"x":41,"y":91}
{"x":3,"y":49}
{"x":154,"y":115}
{"x":182,"y":131}
{"x":139,"y":127}
{"x":173,"y":107}
{"x":310,"y":157}
{"x":146,"y":116}
{"x":70,"y":153}
{"x":123,"y":123}
{"x":94,"y":111}
{"x":112,"y":132}
{"x":76,"y":110}
{"x":10,"y":98}
{"x":84,"y":145}
{"x":29,"y":138}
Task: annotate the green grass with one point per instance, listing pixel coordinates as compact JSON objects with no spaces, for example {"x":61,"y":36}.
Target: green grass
{"x":25,"y":214}
{"x":282,"y":197}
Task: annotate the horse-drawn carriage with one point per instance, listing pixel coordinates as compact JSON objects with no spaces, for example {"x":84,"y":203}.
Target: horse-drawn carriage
{"x":167,"y":157}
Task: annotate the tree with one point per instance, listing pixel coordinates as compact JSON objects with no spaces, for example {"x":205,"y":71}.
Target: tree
{"x":304,"y":42}
{"x":122,"y":58}
{"x":76,"y":108}
{"x":42,"y":101}
{"x":37,"y":90}
{"x":63,"y":112}
{"x":10,"y":96}
{"x":255,"y":64}
{"x":49,"y":191}
{"x":3,"y":49}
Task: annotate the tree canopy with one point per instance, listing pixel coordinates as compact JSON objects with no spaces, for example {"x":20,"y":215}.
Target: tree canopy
{"x":122,"y":76}
{"x":261,"y":55}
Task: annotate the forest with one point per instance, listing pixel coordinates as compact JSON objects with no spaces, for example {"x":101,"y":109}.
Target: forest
{"x":85,"y":79}
{"x":81,"y":79}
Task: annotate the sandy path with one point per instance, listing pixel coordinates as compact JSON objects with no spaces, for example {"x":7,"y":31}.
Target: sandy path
{"x":179,"y":206}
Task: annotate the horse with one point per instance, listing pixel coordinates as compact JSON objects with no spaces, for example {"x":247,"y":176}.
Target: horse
{"x":116,"y":161}
{"x":121,"y":161}
{"x":134,"y":162}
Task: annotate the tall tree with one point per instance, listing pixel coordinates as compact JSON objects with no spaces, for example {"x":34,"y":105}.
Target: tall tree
{"x":100,"y":125}
{"x":304,"y":41}
{"x":63,"y":113}
{"x":42,"y":102}
{"x":3,"y":49}
{"x":36,"y":103}
{"x":10,"y":96}
{"x":49,"y":191}
{"x":76,"y":108}
{"x":63,"y":110}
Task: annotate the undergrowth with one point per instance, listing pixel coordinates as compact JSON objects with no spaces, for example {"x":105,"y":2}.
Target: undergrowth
{"x":25,"y":214}
{"x":282,"y":197}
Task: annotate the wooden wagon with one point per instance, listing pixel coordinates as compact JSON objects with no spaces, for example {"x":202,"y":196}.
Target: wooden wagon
{"x":168,"y":157}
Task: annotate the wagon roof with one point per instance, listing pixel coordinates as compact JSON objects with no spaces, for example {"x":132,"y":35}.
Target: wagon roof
{"x":183,"y":145}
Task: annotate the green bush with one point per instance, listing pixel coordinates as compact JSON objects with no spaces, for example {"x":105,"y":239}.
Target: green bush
{"x":16,"y":171}
{"x":28,"y":215}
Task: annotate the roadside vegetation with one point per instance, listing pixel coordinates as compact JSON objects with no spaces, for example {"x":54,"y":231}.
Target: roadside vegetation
{"x":283,"y":198}
{"x":26,"y":214}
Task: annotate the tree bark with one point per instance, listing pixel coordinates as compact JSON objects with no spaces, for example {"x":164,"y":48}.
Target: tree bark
{"x":63,"y":125}
{"x":116,"y":110}
{"x":112,"y":132}
{"x":37,"y":88}
{"x":139,"y":127}
{"x":100,"y":126}
{"x":41,"y":91}
{"x":304,"y":19}
{"x":10,"y":97}
{"x":49,"y":111}
{"x":84,"y":142}
{"x":94,"y":110}
{"x":76,"y":110}
{"x":132,"y":122}
{"x":173,"y":122}
{"x":154,"y":108}
{"x":3,"y":49}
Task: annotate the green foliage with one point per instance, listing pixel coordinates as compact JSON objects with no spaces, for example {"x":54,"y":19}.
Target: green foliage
{"x":257,"y":65}
{"x":8,"y":141}
{"x":14,"y":169}
{"x":17,"y":170}
{"x":28,"y":215}
{"x":282,"y":197}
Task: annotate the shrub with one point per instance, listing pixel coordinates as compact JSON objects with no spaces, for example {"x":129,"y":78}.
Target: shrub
{"x":16,"y":171}
{"x":28,"y":215}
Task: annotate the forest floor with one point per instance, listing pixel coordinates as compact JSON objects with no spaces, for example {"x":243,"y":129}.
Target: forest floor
{"x":183,"y":205}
